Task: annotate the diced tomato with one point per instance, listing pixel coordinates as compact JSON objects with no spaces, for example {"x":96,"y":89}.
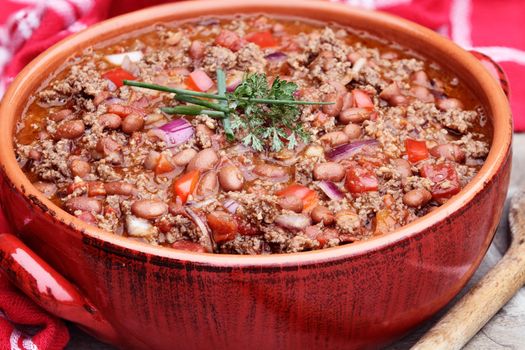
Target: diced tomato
{"x":163,"y":165}
{"x":223,"y":226}
{"x":359,"y":179}
{"x":362,"y":99}
{"x":164,"y":225}
{"x":416,"y":150}
{"x":185,"y":185}
{"x":262,"y":39}
{"x":189,"y":246}
{"x":198,"y":80}
{"x":245,"y":228}
{"x":384,"y":222}
{"x":308,"y":196}
{"x":445,"y":178}
{"x":118,"y":75}
{"x":229,"y":40}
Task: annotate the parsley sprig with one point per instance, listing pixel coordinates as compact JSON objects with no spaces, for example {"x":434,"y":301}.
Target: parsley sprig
{"x":267,"y":116}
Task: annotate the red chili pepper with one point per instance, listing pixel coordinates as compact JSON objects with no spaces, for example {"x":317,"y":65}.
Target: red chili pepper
{"x":262,"y":39}
{"x":445,"y":178}
{"x":308,"y":196}
{"x":118,"y":75}
{"x":359,"y":179}
{"x":163,"y":165}
{"x":416,"y":150}
{"x":185,"y":185}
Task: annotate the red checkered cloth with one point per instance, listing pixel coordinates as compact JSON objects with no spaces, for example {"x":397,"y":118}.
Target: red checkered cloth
{"x":28,"y":27}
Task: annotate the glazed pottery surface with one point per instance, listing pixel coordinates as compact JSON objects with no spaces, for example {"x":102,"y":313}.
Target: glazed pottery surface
{"x":362,"y":295}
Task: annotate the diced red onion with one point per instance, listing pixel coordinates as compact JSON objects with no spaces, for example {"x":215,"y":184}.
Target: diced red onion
{"x":206,"y":234}
{"x":231,"y":205}
{"x":130,"y":66}
{"x":293,"y":221}
{"x":276,"y":56}
{"x":113,"y":100}
{"x":111,"y":85}
{"x":233,"y":80}
{"x":174,"y":133}
{"x":331,"y":190}
{"x":201,"y":80}
{"x":349,"y":149}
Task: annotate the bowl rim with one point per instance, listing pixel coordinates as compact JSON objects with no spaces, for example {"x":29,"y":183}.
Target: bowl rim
{"x":496,"y":104}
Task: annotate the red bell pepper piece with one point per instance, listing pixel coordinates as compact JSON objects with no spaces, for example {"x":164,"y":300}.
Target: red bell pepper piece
{"x":262,"y":39}
{"x":307,"y":195}
{"x":185,"y":185}
{"x":445,"y":178}
{"x":359,"y":179}
{"x":118,"y":75}
{"x":416,"y":150}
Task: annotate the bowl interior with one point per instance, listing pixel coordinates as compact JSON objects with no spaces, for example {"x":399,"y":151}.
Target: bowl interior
{"x":409,"y":35}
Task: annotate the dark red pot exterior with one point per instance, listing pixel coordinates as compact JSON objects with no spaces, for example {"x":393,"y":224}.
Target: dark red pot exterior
{"x":362,"y":301}
{"x":359,"y":296}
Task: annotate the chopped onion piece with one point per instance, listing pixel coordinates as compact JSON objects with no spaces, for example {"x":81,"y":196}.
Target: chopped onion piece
{"x":138,"y":227}
{"x":331,"y":190}
{"x":276,"y":56}
{"x":206,"y":239}
{"x":118,"y":58}
{"x":293,"y":221}
{"x":174,"y":133}
{"x":234,"y":79}
{"x":358,"y":65}
{"x":349,"y":149}
{"x":201,"y":80}
{"x":231,"y":205}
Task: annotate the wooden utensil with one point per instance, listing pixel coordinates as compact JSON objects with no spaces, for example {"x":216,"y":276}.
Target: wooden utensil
{"x":488,"y":296}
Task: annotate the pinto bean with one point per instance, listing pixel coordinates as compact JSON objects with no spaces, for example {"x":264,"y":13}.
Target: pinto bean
{"x":347,"y":220}
{"x":270,"y":170}
{"x":422,"y":93}
{"x":110,"y":121}
{"x":70,"y":129}
{"x":392,"y":95}
{"x":209,"y":185}
{"x":448,"y":151}
{"x":204,"y":160}
{"x":353,"y":131}
{"x":416,"y":198}
{"x":334,"y":109}
{"x":402,"y":167}
{"x":79,"y":167}
{"x":60,"y":115}
{"x":133,"y":122}
{"x":420,"y":78}
{"x":100,"y":97}
{"x":231,"y":178}
{"x":151,"y":160}
{"x":322,"y":214}
{"x":183,"y":157}
{"x":48,"y":189}
{"x":119,"y":188}
{"x":91,"y":205}
{"x":446,"y":104}
{"x":107,"y":146}
{"x":149,"y":208}
{"x":34,"y":154}
{"x":354,"y":115}
{"x":348,"y":100}
{"x":333,"y":139}
{"x":292,"y":203}
{"x":329,"y":171}
{"x":196,"y":50}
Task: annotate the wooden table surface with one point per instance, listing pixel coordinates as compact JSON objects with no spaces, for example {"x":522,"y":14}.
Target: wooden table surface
{"x":506,"y":330}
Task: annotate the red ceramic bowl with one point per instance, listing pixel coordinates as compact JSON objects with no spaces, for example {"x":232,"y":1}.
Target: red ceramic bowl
{"x":366,"y":294}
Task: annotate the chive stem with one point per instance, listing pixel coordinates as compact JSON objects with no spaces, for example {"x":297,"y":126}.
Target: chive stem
{"x":200,"y":102}
{"x":221,"y":91}
{"x":218,"y":97}
{"x":192,"y":110}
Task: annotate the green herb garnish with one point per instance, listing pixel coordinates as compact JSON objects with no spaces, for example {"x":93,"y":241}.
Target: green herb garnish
{"x":268,"y":116}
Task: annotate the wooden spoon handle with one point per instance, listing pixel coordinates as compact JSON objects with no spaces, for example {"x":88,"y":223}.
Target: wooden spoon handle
{"x":478,"y":306}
